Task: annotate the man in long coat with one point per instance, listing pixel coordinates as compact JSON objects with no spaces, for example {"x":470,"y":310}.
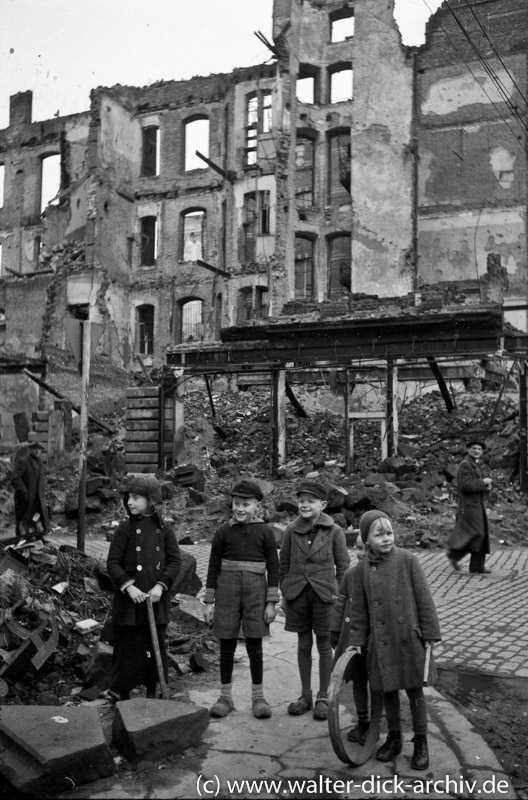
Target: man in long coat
{"x":29,"y":482}
{"x":471,"y":534}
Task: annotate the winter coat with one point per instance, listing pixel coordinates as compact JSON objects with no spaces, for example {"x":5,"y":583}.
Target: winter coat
{"x":322,"y":564}
{"x":29,"y":482}
{"x":392,"y":614}
{"x":340,"y":619}
{"x":143,"y":551}
{"x":471,"y":526}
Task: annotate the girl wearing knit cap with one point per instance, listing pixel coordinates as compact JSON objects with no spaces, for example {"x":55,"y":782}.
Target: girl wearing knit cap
{"x":393,"y":615}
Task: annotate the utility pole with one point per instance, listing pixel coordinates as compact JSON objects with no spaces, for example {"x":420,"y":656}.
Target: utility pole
{"x":83,"y":466}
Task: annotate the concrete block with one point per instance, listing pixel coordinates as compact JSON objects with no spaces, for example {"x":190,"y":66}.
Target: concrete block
{"x":45,"y":750}
{"x":153,"y":729}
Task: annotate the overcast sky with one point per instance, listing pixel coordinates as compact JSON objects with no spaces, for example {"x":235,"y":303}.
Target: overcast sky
{"x":61,"y":49}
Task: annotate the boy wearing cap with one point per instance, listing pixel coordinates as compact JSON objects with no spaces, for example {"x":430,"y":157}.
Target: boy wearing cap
{"x":471,"y":534}
{"x":393,"y":617}
{"x":143,"y":561}
{"x":313,"y":560}
{"x":243,"y":552}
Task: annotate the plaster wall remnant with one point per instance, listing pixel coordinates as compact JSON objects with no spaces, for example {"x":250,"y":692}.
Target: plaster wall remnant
{"x":472,"y":144}
{"x":450,"y":94}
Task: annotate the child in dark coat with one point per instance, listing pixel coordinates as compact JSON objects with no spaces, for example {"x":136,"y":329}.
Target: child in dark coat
{"x":243,"y":551}
{"x":393,"y":616}
{"x":340,"y":640}
{"x":313,"y":560}
{"x":143,"y":561}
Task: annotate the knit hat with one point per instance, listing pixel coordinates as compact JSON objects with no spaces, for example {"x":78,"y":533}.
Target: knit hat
{"x":312,"y":487}
{"x":367,"y":519}
{"x":247,"y":488}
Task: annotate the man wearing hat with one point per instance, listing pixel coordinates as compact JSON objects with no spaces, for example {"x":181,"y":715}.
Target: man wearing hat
{"x":29,"y":482}
{"x":471,"y":534}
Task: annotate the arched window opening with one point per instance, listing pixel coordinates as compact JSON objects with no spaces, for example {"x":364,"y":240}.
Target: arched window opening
{"x":51,"y":181}
{"x":192,"y":327}
{"x":341,"y":85}
{"x":304,"y":268}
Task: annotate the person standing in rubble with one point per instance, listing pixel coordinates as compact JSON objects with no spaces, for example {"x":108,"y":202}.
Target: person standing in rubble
{"x":143,"y":561}
{"x":29,"y":482}
{"x":470,"y":534}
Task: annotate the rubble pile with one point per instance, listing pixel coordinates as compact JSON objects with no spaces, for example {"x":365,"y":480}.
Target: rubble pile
{"x":55,"y":640}
{"x":417,"y":487}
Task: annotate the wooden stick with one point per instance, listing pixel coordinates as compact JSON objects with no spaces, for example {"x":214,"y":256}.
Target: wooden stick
{"x":157,"y":653}
{"x":428,"y":648}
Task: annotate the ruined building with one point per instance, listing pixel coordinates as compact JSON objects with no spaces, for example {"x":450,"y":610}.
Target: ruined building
{"x":349,"y":172}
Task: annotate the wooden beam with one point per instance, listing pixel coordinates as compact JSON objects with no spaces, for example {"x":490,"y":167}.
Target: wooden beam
{"x":278,"y":419}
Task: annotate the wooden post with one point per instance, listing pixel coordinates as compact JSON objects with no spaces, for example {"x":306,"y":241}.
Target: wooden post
{"x":178,"y":444}
{"x":278,"y":419}
{"x":85,"y":385}
{"x":523,"y":433}
{"x":392,"y":408}
{"x":346,"y":395}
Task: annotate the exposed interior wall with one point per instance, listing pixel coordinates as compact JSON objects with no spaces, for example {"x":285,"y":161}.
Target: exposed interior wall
{"x":472,"y":146}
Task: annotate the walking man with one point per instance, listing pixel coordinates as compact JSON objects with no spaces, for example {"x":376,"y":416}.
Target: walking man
{"x":470,"y":534}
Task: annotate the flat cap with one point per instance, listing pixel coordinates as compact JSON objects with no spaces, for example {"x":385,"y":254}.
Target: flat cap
{"x":247,"y":488}
{"x":312,"y":487}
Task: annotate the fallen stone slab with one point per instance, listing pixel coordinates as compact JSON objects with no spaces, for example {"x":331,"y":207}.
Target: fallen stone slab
{"x":45,"y":750}
{"x":152,"y":729}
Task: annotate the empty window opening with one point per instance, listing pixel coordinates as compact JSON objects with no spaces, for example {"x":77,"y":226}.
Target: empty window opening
{"x":2,"y":181}
{"x":340,"y":265}
{"x":192,"y":328}
{"x":150,"y":156}
{"x":341,"y":85}
{"x":145,"y":330}
{"x":196,"y":138}
{"x":342,"y":25}
{"x":258,"y":120}
{"x":339,"y":168}
{"x":256,"y":222}
{"x":36,"y":251}
{"x":304,"y":172}
{"x":51,"y":174}
{"x":304,"y":268}
{"x":1,"y":271}
{"x":252,"y":304}
{"x":193,"y":231}
{"x":2,"y":317}
{"x":218,"y":316}
{"x":149,"y":241}
{"x":223,"y":235}
{"x":305,"y":89}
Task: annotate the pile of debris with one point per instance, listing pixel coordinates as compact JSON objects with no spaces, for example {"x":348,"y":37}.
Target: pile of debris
{"x":55,"y":629}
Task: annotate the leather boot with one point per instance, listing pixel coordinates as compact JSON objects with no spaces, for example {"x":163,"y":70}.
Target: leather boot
{"x":359,"y":732}
{"x":420,"y":759}
{"x":391,"y":747}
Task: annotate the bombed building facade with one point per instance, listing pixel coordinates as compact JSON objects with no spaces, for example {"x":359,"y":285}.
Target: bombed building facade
{"x":349,"y":171}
